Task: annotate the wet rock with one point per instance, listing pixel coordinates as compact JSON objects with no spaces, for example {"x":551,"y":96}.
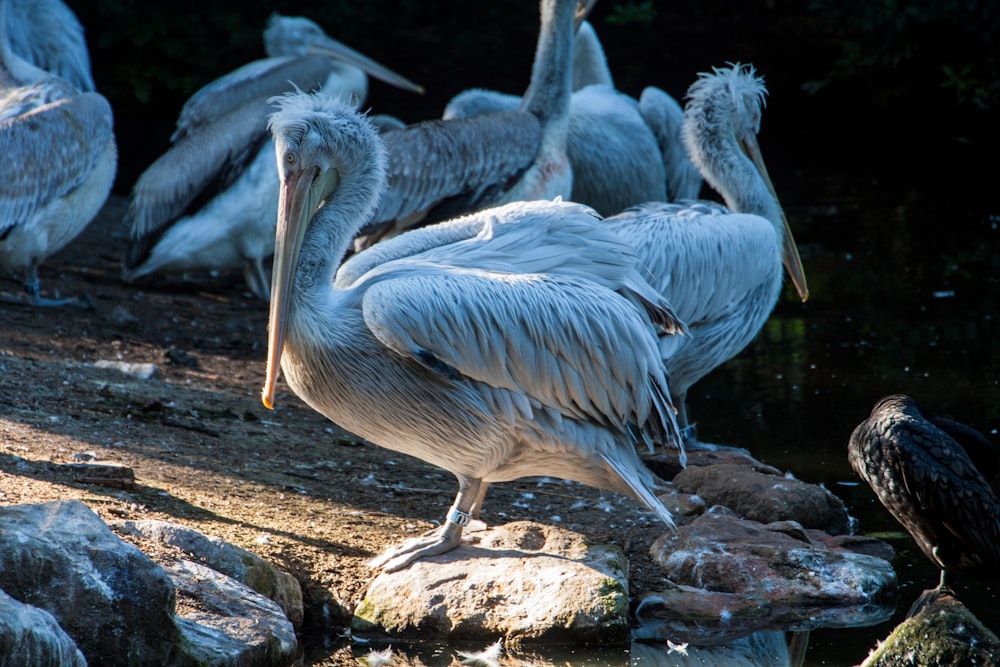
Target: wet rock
{"x":765,"y":497}
{"x":728,"y":577}
{"x":114,"y":601}
{"x":944,"y":632}
{"x":523,"y":581}
{"x":224,"y":622}
{"x":30,"y":636}
{"x":240,"y":564}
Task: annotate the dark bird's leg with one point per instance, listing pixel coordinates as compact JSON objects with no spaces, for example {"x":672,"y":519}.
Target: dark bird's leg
{"x":930,"y":596}
{"x":442,"y":540}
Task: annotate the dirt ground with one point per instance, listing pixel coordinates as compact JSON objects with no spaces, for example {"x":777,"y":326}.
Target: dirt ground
{"x":286,"y":484}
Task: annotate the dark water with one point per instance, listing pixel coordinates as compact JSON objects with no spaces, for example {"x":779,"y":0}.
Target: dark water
{"x":904,"y":299}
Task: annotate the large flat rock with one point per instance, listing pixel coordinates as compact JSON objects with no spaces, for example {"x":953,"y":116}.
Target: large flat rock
{"x":522,"y":581}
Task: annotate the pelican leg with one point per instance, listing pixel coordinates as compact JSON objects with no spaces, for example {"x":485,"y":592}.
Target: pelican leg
{"x":32,"y":294}
{"x":476,"y":524}
{"x":440,"y":541}
{"x":689,"y":431}
{"x":257,"y":278}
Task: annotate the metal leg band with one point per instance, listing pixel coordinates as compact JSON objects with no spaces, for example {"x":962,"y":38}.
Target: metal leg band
{"x":458,"y":517}
{"x":690,"y":431}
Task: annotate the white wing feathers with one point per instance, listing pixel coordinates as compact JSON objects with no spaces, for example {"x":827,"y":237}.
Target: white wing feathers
{"x":467,"y":160}
{"x":735,"y":253}
{"x":531,"y":304}
{"x":525,"y":237}
{"x":567,"y":343}
{"x":41,"y":142}
{"x":256,"y":81}
{"x":175,"y":179}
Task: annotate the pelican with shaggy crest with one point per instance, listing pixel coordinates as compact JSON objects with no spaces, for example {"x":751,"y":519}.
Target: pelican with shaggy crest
{"x":208,"y":202}
{"x":720,"y":268}
{"x":59,"y":162}
{"x":517,"y":341}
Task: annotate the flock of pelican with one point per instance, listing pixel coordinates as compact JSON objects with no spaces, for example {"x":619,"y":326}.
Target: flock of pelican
{"x":523,"y":287}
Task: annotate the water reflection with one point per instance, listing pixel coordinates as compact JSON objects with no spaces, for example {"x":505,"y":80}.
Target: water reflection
{"x":761,"y":649}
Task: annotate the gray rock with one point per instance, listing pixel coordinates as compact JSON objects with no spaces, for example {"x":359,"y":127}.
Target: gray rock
{"x":240,"y":564}
{"x":765,"y":497}
{"x":31,"y":637}
{"x":523,"y":581}
{"x":226,"y":623}
{"x":728,"y":577}
{"x":114,"y":601}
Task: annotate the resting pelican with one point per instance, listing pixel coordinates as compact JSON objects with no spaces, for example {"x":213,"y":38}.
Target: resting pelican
{"x":511,"y":342}
{"x":48,"y":35}
{"x":442,"y":168}
{"x":208,"y":203}
{"x":922,"y":470}
{"x":719,"y":267}
{"x":59,"y":161}
{"x":622,"y":152}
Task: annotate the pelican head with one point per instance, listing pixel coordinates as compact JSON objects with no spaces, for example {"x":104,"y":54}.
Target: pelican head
{"x":721,"y":122}
{"x":331,"y":162}
{"x":298,"y":36}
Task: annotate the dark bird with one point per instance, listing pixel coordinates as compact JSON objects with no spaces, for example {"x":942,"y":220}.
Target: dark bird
{"x":924,"y":470}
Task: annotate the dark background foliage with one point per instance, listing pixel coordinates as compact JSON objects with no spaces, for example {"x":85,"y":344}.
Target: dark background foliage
{"x":850,"y":81}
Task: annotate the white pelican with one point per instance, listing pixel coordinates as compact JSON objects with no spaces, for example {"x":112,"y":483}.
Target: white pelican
{"x":59,"y":161}
{"x":442,"y":168}
{"x":622,"y":152}
{"x":511,"y":342}
{"x":208,"y":203}
{"x":720,"y":268}
{"x":48,"y":35}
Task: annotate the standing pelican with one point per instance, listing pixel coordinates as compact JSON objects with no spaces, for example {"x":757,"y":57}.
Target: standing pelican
{"x":512,"y":342}
{"x":920,"y":470}
{"x":442,"y":168}
{"x":622,"y":152}
{"x":208,"y":203}
{"x":59,"y":161}
{"x":719,"y":267}
{"x":47,"y":34}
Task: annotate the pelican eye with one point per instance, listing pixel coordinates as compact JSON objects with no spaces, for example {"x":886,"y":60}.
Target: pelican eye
{"x":291,"y":158}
